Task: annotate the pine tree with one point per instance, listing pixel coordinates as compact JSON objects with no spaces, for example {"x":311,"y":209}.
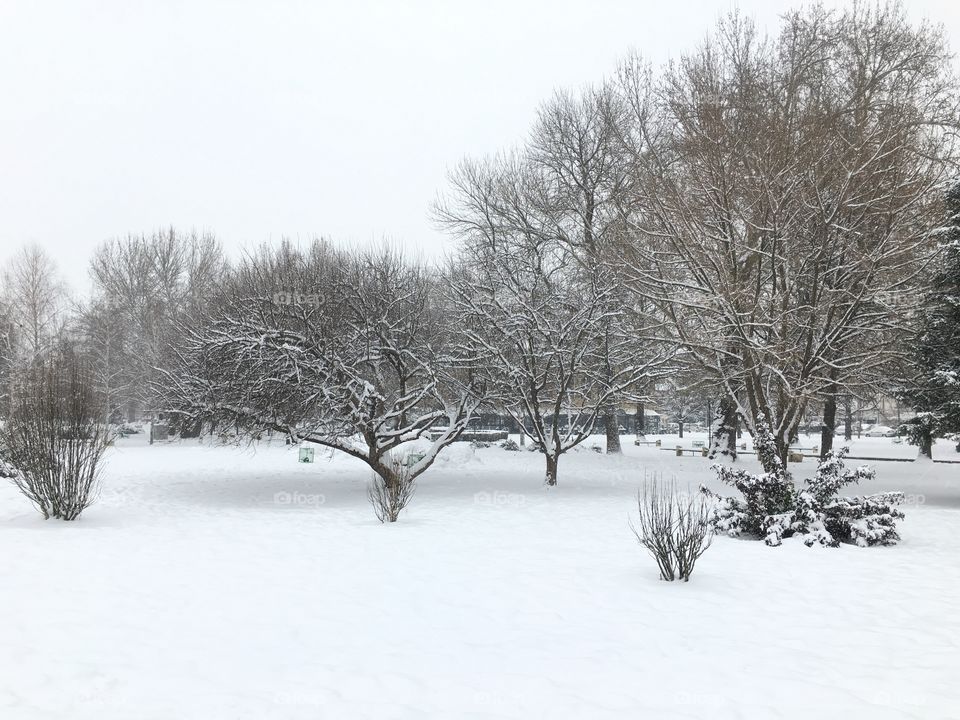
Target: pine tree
{"x":935,"y":390}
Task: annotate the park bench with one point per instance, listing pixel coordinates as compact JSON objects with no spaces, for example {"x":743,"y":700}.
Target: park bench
{"x":702,"y":451}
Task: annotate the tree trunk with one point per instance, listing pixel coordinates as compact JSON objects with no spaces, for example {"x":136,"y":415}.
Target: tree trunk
{"x":848,"y":422}
{"x":641,"y":420}
{"x":551,"y":478}
{"x":829,"y":423}
{"x":725,"y":428}
{"x":384,"y":470}
{"x":926,"y":442}
{"x":680,"y":427}
{"x":389,"y":478}
{"x":783,"y":449}
{"x":613,"y":431}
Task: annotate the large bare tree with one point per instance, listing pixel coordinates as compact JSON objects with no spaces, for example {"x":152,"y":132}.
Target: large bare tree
{"x":549,"y":333}
{"x":574,"y":147}
{"x":783,"y":187}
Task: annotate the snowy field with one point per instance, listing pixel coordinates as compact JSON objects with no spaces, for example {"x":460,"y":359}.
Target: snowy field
{"x":214,"y":582}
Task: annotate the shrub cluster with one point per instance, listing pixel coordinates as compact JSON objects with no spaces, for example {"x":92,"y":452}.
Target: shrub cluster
{"x":54,"y":442}
{"x":674,"y":528}
{"x":774,"y":508}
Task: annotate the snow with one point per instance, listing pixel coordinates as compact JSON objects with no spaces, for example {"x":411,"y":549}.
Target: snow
{"x":215,"y":582}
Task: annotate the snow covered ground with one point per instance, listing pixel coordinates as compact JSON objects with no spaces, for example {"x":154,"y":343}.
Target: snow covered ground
{"x":214,"y":582}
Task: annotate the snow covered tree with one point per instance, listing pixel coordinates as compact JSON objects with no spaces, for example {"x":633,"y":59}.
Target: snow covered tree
{"x":921,"y":430}
{"x":934,"y":389}
{"x":542,"y":327}
{"x":575,"y":180}
{"x":348,"y":350}
{"x":574,"y":148}
{"x":785,"y":190}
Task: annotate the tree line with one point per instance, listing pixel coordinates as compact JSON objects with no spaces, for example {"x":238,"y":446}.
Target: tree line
{"x":756,"y":221}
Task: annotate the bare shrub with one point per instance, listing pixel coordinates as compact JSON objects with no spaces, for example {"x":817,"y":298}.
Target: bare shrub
{"x":54,"y":440}
{"x":674,"y":527}
{"x":392,"y":488}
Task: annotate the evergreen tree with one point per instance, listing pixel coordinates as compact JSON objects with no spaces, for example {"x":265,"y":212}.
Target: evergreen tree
{"x":935,"y":389}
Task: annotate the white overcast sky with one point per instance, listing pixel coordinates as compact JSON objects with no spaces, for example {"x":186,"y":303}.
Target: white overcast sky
{"x":259,"y":120}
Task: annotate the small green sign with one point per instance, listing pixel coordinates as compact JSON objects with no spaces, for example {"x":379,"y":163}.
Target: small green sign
{"x":413,"y":458}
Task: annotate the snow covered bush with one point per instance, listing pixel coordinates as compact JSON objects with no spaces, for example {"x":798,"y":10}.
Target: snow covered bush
{"x":53,"y":442}
{"x":674,"y":527}
{"x":510,"y":445}
{"x":774,"y":508}
{"x":766,"y":496}
{"x":824,"y":517}
{"x":390,"y":498}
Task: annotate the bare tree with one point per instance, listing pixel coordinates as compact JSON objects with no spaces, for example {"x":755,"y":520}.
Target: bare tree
{"x":54,"y":441}
{"x":784,"y":188}
{"x":678,"y":397}
{"x":8,"y":345}
{"x":104,"y":335}
{"x":574,"y":148}
{"x":145,"y":290}
{"x":541,"y":327}
{"x":35,"y":299}
{"x":345,"y":350}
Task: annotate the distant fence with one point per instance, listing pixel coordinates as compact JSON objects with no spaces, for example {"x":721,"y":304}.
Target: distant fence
{"x":695,"y":451}
{"x":474,"y":435}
